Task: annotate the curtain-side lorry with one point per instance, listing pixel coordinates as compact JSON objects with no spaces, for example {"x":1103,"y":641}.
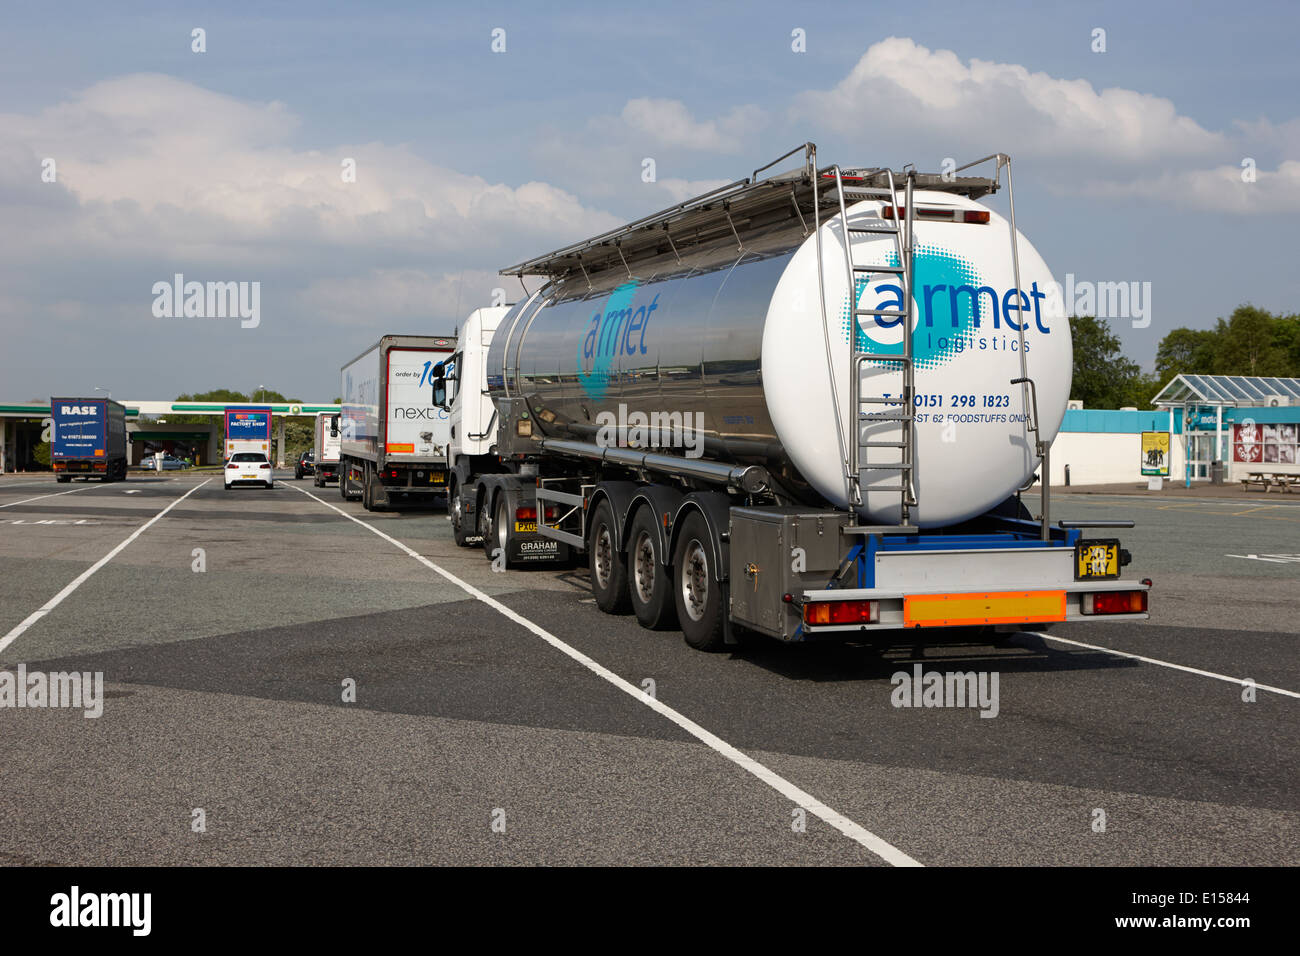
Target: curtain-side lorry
{"x":88,"y":438}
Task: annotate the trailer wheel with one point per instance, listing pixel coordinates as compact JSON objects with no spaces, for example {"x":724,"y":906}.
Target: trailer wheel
{"x":368,"y":490}
{"x":608,"y":568}
{"x":696,"y":590}
{"x":494,"y":527}
{"x":650,"y":586}
{"x":63,"y":480}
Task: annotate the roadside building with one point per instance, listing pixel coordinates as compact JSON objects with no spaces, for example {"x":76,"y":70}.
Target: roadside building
{"x":1249,"y":423}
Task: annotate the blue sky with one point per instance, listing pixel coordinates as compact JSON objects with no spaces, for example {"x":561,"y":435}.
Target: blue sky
{"x":225,"y":165}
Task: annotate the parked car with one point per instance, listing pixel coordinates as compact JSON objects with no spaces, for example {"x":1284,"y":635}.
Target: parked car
{"x":169,"y":463}
{"x":306,"y":464}
{"x":248,"y":467}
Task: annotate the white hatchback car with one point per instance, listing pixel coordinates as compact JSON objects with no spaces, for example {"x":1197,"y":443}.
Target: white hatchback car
{"x":248,"y":467}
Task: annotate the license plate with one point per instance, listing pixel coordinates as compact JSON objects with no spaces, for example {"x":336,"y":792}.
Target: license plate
{"x":526,"y":527}
{"x":438,"y":478}
{"x":1096,"y":560}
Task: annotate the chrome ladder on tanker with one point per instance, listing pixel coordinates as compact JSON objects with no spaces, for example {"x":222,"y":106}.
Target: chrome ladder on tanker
{"x":860,"y":468}
{"x":861,"y":471}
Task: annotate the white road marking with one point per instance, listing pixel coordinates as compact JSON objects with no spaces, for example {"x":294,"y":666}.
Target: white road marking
{"x":80,"y":579}
{"x":1240,"y":681}
{"x":10,"y":504}
{"x":881,"y":848}
{"x":1271,"y":558}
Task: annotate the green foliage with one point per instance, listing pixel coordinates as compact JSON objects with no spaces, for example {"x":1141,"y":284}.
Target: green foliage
{"x":1251,"y":341}
{"x":42,"y":454}
{"x":1103,"y":377}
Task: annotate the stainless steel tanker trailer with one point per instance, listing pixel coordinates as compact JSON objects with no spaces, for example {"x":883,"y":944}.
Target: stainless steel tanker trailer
{"x":699,"y":404}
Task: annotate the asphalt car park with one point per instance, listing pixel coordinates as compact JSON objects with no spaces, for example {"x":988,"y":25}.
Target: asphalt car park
{"x":329,"y":685}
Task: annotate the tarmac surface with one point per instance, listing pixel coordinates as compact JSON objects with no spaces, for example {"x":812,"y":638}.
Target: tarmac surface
{"x":502,"y":718}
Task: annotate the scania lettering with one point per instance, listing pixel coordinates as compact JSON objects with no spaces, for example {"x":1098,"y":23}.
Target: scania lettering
{"x":876,"y":362}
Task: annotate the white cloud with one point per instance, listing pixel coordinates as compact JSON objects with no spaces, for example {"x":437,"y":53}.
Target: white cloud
{"x":900,"y":87}
{"x":670,"y":123}
{"x":1220,"y":190}
{"x":156,"y":164}
{"x":413,"y":296}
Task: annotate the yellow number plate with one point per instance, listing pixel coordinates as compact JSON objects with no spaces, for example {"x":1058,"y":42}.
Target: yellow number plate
{"x":526,"y":527}
{"x":1095,"y":560}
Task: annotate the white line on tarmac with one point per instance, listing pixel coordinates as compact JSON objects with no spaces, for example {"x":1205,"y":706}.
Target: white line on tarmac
{"x":10,"y":504}
{"x":1240,"y":681}
{"x":886,"y":851}
{"x":80,"y":579}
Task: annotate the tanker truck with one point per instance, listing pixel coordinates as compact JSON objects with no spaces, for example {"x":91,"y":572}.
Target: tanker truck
{"x":805,"y":404}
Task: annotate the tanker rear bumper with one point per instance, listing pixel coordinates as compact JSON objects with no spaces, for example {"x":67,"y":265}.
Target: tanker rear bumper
{"x":1009,"y":607}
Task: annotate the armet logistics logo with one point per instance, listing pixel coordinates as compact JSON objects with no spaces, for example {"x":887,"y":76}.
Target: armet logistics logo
{"x":955,"y":310}
{"x":617,"y":329}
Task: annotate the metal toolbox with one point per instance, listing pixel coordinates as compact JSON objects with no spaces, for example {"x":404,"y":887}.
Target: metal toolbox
{"x":779,"y":551}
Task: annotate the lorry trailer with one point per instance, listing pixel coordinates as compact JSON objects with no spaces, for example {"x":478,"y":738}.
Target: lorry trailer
{"x":328,"y":441}
{"x":393,"y":434}
{"x":248,"y":429}
{"x":804,"y":404}
{"x":87,"y":438}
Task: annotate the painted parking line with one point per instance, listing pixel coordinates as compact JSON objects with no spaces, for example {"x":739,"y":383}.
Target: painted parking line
{"x":1239,"y":681}
{"x":81,"y":579}
{"x":865,"y":838}
{"x":10,"y":504}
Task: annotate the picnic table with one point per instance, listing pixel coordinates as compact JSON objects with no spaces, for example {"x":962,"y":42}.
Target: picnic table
{"x":1284,"y":481}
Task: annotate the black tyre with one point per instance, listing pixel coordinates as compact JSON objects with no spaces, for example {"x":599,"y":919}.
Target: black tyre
{"x":368,"y":491}
{"x":456,"y":512}
{"x":494,"y":525}
{"x":650,"y":585}
{"x":696,"y":591}
{"x":63,"y":480}
{"x":608,"y":568}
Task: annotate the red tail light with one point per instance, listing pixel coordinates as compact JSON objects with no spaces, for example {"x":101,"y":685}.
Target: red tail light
{"x":1114,"y":602}
{"x":264,"y":465}
{"x":941,"y":213}
{"x":232,"y":465}
{"x":526,"y":513}
{"x":840,"y":612}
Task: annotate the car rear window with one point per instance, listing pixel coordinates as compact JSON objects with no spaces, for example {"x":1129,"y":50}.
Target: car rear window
{"x":248,"y":456}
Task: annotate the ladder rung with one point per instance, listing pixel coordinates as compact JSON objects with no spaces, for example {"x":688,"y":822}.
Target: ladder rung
{"x":896,"y":270}
{"x":888,"y":231}
{"x":882,"y":444}
{"x":890,"y":313}
{"x":899,"y":467}
{"x":879,"y":400}
{"x":868,"y":191}
{"x":872,"y":356}
{"x":867,"y":488}
{"x":870,"y":417}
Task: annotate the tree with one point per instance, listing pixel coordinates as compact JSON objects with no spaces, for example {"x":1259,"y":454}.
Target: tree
{"x":1103,"y":377}
{"x":1186,"y":351}
{"x":1248,"y":344}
